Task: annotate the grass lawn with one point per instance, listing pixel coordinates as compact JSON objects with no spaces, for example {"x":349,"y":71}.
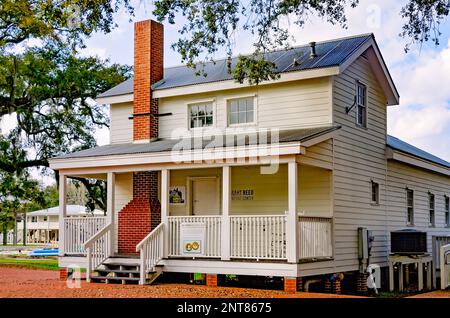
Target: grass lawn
{"x":51,"y":264}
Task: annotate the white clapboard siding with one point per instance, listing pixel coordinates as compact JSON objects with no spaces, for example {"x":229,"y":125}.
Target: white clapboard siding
{"x":421,"y":181}
{"x":359,"y":157}
{"x":121,"y":128}
{"x":286,"y":105}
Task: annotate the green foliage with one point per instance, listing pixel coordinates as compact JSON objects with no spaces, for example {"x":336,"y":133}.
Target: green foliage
{"x":64,"y":21}
{"x":212,"y":24}
{"x":16,"y":190}
{"x":48,"y":88}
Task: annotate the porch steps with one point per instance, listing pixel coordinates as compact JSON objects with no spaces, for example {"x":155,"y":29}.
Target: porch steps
{"x":122,"y":273}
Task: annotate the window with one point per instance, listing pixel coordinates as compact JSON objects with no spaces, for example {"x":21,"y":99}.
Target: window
{"x":361,"y":105}
{"x":410,"y":206}
{"x":34,"y":219}
{"x":241,"y":111}
{"x":375,"y":197}
{"x":201,"y":115}
{"x":447,"y":210}
{"x":431,"y":209}
{"x":45,"y":219}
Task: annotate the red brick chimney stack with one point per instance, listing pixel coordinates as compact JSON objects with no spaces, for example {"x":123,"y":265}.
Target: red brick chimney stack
{"x":148,"y":69}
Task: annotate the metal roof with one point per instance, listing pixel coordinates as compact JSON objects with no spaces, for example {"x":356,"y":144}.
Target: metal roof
{"x":164,"y":145}
{"x":329,"y":53}
{"x":404,"y":147}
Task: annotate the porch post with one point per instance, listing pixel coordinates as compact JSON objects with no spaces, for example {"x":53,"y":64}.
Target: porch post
{"x":165,"y":183}
{"x":62,"y":211}
{"x":292,"y":222}
{"x":110,"y":199}
{"x":226,"y":185}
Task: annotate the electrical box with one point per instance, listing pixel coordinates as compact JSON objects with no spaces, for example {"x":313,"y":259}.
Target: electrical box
{"x":365,"y":243}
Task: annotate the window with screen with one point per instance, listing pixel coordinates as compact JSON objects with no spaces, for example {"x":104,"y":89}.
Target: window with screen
{"x":361,"y":105}
{"x":201,"y":115}
{"x":410,"y":207}
{"x":241,"y":111}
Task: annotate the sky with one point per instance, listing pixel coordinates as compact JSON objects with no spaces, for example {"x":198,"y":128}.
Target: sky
{"x":422,"y":76}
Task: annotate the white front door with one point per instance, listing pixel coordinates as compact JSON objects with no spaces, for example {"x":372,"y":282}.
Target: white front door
{"x":205,"y":197}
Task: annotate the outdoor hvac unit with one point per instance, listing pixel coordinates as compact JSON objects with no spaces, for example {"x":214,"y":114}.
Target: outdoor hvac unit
{"x":409,"y":242}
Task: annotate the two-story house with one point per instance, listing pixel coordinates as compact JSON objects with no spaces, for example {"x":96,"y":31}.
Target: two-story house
{"x":208,"y":175}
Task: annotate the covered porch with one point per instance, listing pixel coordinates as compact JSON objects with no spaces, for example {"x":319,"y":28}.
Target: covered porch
{"x":242,"y":213}
{"x":226,"y":206}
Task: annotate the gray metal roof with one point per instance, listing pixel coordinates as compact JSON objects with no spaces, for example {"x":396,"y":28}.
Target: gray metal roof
{"x":165,"y":145}
{"x":404,"y":147}
{"x":329,"y":53}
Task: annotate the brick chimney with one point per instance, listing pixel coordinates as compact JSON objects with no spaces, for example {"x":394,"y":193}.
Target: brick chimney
{"x":142,"y":214}
{"x":148,"y":69}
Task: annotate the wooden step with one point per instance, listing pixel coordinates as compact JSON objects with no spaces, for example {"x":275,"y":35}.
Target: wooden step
{"x":109,"y":279}
{"x":119,"y":271}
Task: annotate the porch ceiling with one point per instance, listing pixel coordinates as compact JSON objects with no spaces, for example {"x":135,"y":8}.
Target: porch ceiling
{"x":164,"y":145}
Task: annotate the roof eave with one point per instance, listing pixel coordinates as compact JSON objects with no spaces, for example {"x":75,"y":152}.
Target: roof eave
{"x":395,"y":154}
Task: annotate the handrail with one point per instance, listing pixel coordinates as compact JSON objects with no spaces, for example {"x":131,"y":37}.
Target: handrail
{"x":98,"y":249}
{"x":97,"y":235}
{"x":149,"y":235}
{"x":151,"y":251}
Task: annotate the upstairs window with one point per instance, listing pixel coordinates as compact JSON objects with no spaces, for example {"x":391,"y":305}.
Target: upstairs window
{"x":361,"y":105}
{"x":431,"y":204}
{"x":447,"y":211}
{"x":201,"y":115}
{"x":375,"y":196}
{"x":410,"y":207}
{"x":241,"y":111}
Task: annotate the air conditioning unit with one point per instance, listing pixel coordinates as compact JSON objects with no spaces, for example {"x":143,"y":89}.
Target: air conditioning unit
{"x":409,"y":242}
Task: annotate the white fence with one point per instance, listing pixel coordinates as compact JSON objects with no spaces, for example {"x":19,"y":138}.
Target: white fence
{"x":98,"y":249}
{"x":78,"y":230}
{"x":213,"y":234}
{"x":258,"y":237}
{"x":315,"y":238}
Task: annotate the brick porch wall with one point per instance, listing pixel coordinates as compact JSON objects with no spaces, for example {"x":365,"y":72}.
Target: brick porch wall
{"x":140,"y":215}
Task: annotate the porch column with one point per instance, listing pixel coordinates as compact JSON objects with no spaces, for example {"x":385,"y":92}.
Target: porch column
{"x":111,"y":217}
{"x":226,"y":185}
{"x":292,"y":222}
{"x":62,"y":211}
{"x":165,"y":183}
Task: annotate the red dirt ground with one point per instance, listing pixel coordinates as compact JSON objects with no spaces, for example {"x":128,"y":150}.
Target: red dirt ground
{"x":24,"y":282}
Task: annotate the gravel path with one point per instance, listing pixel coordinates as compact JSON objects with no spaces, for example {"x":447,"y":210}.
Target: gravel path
{"x":24,"y":282}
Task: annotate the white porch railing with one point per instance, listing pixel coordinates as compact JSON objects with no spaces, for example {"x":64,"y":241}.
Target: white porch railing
{"x":212,"y":239}
{"x":77,"y":230}
{"x":258,"y":237}
{"x":315,"y":237}
{"x":98,"y":249}
{"x":151,"y":251}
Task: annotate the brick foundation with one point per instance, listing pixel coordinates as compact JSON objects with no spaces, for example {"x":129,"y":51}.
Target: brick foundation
{"x":361,"y":283}
{"x":299,"y":284}
{"x":211,"y":280}
{"x":63,"y":274}
{"x":290,"y":284}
